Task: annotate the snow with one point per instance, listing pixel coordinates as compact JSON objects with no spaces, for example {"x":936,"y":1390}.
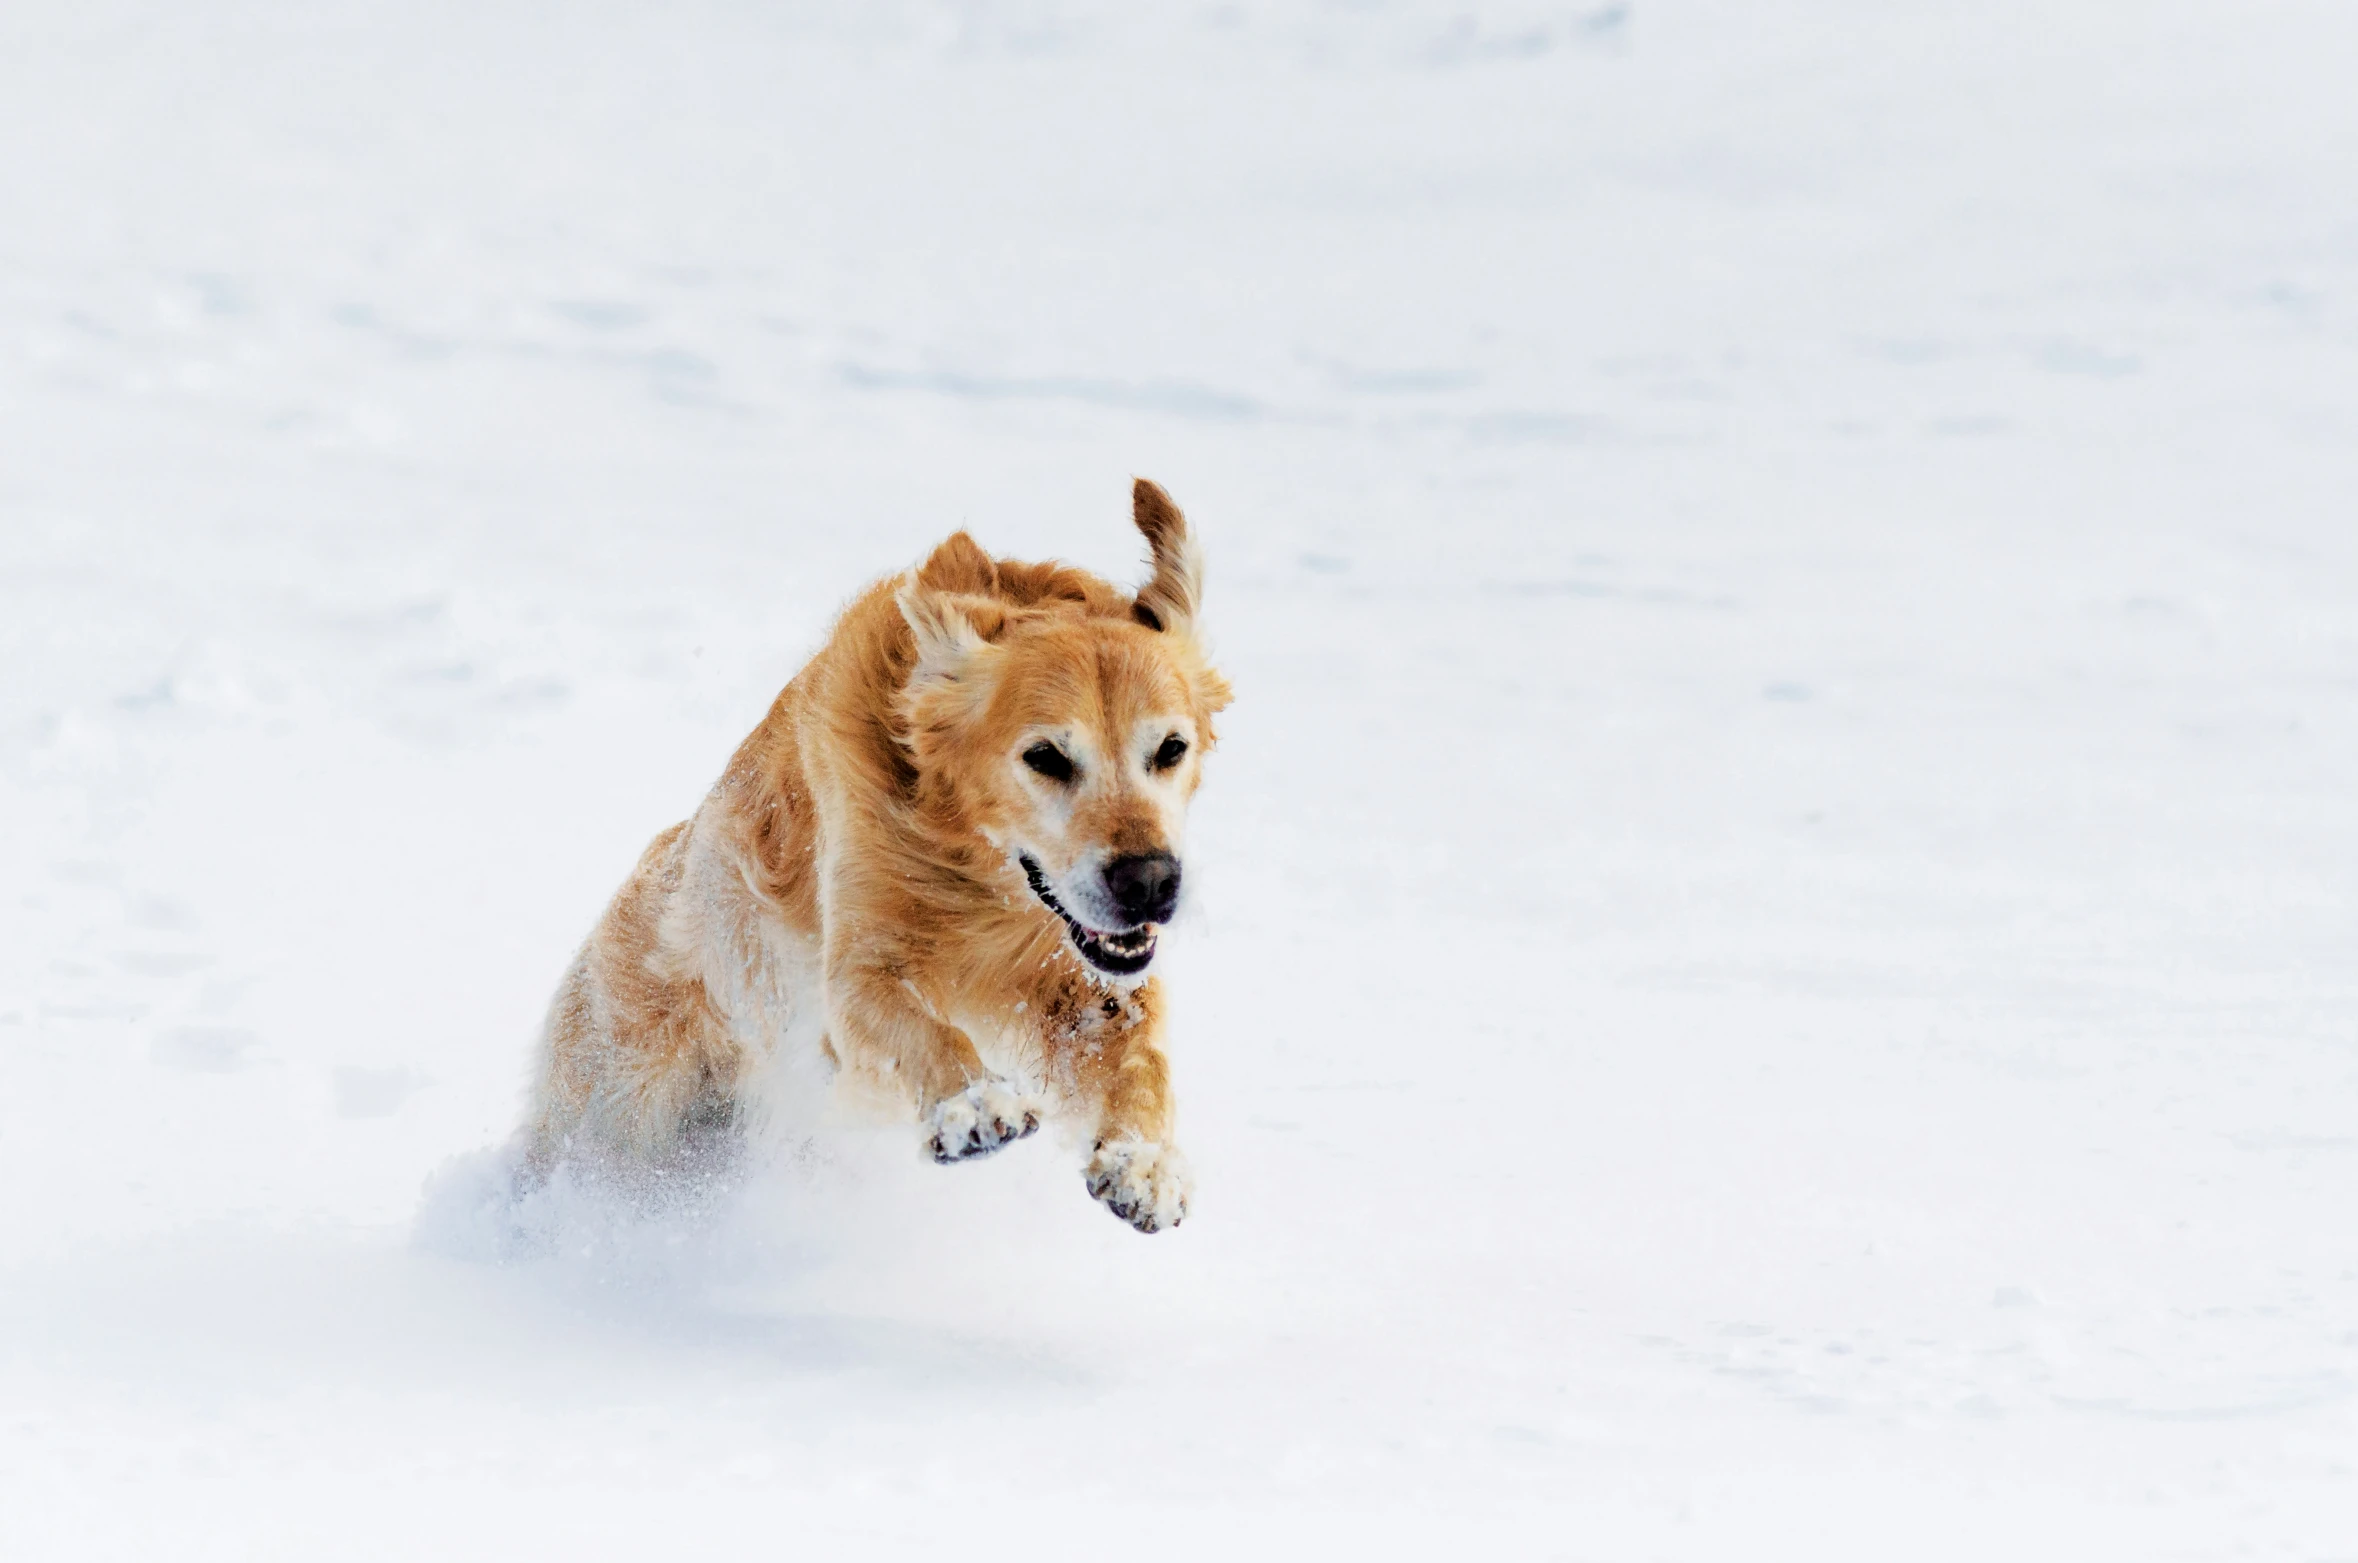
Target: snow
{"x":1774,"y":950}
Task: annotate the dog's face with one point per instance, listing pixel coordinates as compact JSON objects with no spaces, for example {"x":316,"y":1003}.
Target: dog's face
{"x":1067,"y":723}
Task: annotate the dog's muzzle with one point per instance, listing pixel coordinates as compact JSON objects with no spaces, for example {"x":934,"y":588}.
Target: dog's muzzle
{"x":1123,"y":954}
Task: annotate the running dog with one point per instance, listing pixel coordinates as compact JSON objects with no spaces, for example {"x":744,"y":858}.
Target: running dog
{"x":952,"y":845}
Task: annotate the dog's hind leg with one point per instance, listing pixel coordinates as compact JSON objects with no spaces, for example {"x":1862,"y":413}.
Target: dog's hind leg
{"x":567,"y":1071}
{"x":635,"y":1045}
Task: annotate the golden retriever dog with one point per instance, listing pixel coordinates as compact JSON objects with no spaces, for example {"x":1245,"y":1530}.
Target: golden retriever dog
{"x":949,"y":849}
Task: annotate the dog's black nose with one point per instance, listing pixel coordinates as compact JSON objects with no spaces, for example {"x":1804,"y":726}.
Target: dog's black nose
{"x":1144,"y":885}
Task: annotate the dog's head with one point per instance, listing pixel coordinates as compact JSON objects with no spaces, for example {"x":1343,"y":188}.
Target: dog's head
{"x":1066,"y":721}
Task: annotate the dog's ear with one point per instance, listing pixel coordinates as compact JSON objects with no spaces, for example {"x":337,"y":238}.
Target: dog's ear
{"x":1213,"y":691}
{"x":1169,"y":600}
{"x":953,"y":631}
{"x":960,"y":565}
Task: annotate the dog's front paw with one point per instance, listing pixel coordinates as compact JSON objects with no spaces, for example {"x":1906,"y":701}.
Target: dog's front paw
{"x":1144,"y":1183}
{"x":984,"y":1117}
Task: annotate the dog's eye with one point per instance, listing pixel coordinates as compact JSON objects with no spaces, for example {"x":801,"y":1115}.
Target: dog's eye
{"x":1174,"y":750}
{"x":1049,"y":761}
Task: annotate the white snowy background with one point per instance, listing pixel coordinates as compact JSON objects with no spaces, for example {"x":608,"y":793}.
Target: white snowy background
{"x":1775,"y":962}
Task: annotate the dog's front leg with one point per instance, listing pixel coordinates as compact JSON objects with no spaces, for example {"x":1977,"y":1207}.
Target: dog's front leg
{"x":1135,"y":1169}
{"x":878,"y":1021}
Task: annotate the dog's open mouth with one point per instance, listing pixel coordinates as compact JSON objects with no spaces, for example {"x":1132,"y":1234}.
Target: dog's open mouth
{"x":1123,"y":954}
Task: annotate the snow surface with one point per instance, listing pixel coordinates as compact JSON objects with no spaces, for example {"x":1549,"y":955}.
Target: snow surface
{"x":1775,"y":972}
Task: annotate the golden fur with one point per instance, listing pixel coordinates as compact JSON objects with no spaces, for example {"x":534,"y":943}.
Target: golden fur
{"x":860,"y":866}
